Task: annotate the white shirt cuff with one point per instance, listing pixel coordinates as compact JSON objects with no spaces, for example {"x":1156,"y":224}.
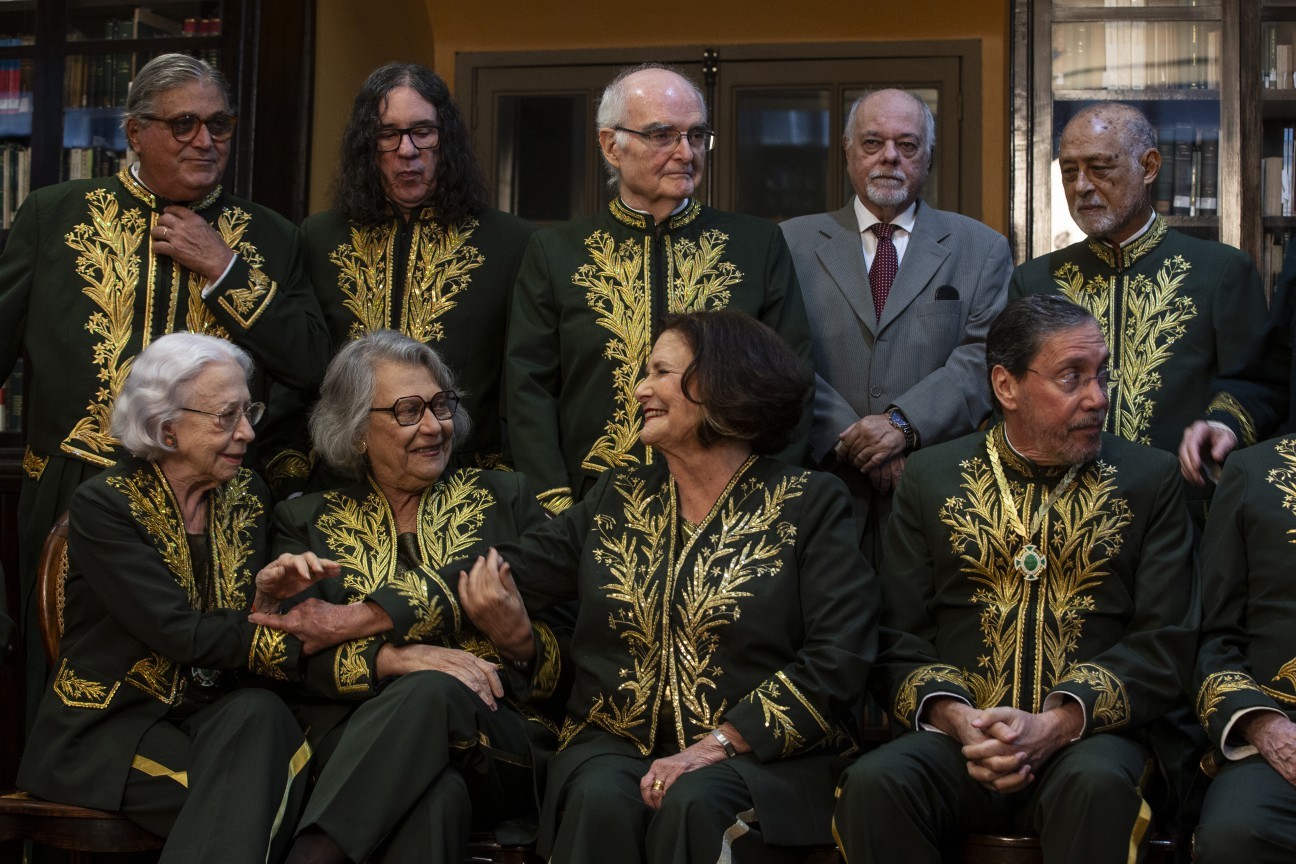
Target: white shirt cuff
{"x":210,"y":286}
{"x":921,"y":724}
{"x":1233,"y":752}
{"x":1054,"y":700}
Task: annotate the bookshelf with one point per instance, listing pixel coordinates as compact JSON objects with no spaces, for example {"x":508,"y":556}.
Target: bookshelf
{"x":1170,"y":58}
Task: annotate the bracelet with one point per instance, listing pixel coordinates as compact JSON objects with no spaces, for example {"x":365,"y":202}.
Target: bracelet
{"x":730,"y":750}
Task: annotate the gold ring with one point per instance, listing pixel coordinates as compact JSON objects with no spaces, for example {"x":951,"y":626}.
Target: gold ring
{"x":658,"y":786}
{"x":166,"y":231}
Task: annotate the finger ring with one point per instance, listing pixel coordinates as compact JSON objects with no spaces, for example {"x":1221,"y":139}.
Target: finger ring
{"x":658,"y":786}
{"x":166,"y":232}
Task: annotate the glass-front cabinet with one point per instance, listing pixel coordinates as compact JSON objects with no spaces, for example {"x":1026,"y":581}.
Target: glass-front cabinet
{"x":1217,"y":79}
{"x":1167,"y":57}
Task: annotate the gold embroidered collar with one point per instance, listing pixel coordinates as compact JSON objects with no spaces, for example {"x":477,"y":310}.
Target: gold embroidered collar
{"x":629,"y":216}
{"x":998,"y":440}
{"x":1123,"y":257}
{"x":140,"y":191}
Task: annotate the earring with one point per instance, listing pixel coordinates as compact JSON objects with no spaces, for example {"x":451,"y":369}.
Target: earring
{"x":169,"y":440}
{"x":362,"y":447}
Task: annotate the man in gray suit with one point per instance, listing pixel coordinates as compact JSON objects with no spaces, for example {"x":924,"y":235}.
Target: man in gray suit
{"x":900,"y":296}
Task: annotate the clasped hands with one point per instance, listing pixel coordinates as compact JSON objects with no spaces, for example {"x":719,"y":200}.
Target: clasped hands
{"x":1005,"y":747}
{"x":875,"y":448}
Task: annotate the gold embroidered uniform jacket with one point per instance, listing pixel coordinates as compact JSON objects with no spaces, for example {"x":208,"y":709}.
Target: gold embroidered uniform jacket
{"x":1175,"y":310}
{"x":133,"y":624}
{"x":590,"y":295}
{"x":450,"y":287}
{"x":461,"y":516}
{"x":1247,"y":657}
{"x":83,"y":292}
{"x":1111,"y":620}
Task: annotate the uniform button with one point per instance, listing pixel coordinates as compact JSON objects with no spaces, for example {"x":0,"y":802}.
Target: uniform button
{"x":875,"y":392}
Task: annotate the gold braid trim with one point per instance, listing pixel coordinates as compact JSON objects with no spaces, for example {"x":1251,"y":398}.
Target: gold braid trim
{"x":544,"y":680}
{"x":1225,"y":403}
{"x":555,"y":501}
{"x":34,"y":465}
{"x":1217,"y":686}
{"x":268,"y":653}
{"x":81,"y":693}
{"x":906,"y":700}
{"x":1111,"y":706}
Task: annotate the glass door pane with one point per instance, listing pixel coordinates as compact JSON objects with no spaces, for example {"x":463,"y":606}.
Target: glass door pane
{"x":783,"y":147}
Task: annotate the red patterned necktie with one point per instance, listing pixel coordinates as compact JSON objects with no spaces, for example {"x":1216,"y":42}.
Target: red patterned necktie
{"x":885,"y":265}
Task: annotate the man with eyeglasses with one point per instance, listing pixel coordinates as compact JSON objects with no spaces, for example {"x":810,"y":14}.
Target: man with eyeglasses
{"x":412,"y":246}
{"x":899,"y":296}
{"x":591,"y":291}
{"x":1177,"y":310}
{"x":94,"y":270}
{"x":1039,"y":617}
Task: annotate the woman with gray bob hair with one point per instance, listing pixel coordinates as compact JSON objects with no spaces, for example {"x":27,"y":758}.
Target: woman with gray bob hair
{"x":158,"y":387}
{"x":388,"y":415}
{"x":341,"y":418}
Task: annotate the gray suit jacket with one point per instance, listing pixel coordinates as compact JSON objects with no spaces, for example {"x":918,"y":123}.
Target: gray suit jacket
{"x":927,"y":355}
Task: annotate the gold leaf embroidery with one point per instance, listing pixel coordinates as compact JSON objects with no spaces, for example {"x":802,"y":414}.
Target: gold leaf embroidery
{"x":269,"y":653}
{"x":76,"y":692}
{"x":235,"y":514}
{"x":1111,"y":707}
{"x":1216,"y":687}
{"x":350,"y":667}
{"x":1284,"y":479}
{"x":907,"y":696}
{"x":159,"y":677}
{"x":1142,"y":320}
{"x":1085,"y":531}
{"x":618,"y":291}
{"x":33,"y":465}
{"x":109,"y":264}
{"x":362,"y":539}
{"x":154,"y":507}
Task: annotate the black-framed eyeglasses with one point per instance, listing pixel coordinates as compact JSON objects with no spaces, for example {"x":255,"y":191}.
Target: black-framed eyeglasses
{"x":230,"y":417}
{"x":424,"y":136}
{"x":666,"y":138}
{"x":1073,"y":382}
{"x":184,"y":127}
{"x":408,"y":410}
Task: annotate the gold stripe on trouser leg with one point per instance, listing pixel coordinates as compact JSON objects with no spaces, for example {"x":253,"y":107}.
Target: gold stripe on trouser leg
{"x":1144,"y":815}
{"x":740,"y":827}
{"x":841,"y":847}
{"x":295,"y":766}
{"x":154,"y":769}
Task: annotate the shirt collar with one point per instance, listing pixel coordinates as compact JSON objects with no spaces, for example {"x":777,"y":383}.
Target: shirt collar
{"x":905,"y":221}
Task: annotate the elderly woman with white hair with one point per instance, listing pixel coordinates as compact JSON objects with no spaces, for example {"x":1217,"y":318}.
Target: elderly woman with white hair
{"x":147,"y":712}
{"x":425,"y":732}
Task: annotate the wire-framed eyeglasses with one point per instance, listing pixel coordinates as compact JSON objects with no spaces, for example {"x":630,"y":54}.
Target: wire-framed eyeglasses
{"x":666,"y":138}
{"x":230,"y":417}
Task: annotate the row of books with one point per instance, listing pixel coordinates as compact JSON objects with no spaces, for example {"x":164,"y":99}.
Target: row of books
{"x":1278,"y":179}
{"x":15,"y":82}
{"x":83,"y":163}
{"x":11,"y":397}
{"x":15,"y":179}
{"x":1280,"y":56}
{"x":103,"y":80}
{"x":1188,"y":184}
{"x":1136,"y":55}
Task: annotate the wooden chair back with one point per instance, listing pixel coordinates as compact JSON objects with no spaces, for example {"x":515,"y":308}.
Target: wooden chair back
{"x":51,"y":574}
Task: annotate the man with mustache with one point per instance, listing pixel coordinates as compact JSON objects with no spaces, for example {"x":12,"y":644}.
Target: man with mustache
{"x":1039,"y":616}
{"x":899,"y":296}
{"x":1175,"y":309}
{"x":590,"y":292}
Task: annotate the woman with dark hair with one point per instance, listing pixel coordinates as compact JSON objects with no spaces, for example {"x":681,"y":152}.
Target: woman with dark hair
{"x":725,"y":624}
{"x":411,"y":244}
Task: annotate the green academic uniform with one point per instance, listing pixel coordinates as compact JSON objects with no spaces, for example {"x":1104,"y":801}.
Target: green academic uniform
{"x":1247,"y":658}
{"x":590,"y":295}
{"x":448,"y":286}
{"x":144,"y":713}
{"x":1110,"y":621}
{"x":83,"y":292}
{"x":762,"y":616}
{"x":426,"y":728}
{"x":1175,"y":310}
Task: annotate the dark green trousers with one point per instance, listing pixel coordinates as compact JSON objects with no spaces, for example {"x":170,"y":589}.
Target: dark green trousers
{"x":416,"y":767}
{"x":1249,"y":815}
{"x":705,"y":816}
{"x":224,"y":785}
{"x":912,"y":800}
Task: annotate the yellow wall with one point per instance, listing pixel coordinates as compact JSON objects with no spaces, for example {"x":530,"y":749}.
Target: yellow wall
{"x":508,"y":25}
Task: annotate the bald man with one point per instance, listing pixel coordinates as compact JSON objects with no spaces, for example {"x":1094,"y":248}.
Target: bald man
{"x":591,"y":292}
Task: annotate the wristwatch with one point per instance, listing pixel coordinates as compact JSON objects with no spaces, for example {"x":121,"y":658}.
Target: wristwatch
{"x":897,"y":419}
{"x":730,"y":750}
